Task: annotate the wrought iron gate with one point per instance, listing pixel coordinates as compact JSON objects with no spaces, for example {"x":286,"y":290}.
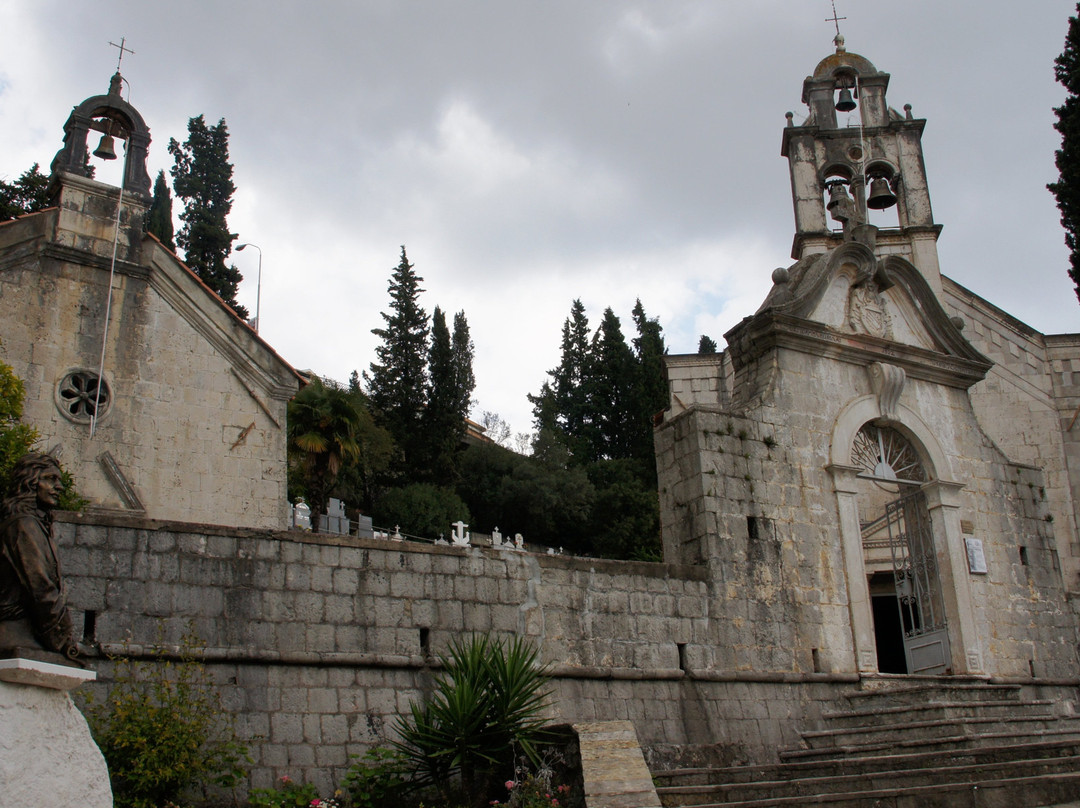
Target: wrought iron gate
{"x":918,"y":586}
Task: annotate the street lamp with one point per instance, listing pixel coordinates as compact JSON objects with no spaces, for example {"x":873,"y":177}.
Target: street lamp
{"x":258,"y":288}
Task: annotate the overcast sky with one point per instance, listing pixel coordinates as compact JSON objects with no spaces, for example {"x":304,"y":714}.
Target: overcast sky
{"x":528,"y":153}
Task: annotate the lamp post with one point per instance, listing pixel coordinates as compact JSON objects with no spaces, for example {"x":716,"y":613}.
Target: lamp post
{"x":258,"y":287}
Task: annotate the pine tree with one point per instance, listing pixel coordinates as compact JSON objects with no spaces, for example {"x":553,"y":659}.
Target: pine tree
{"x":1067,"y":188}
{"x":397,"y":382}
{"x":28,"y":194}
{"x":202,"y":177}
{"x":706,"y":345}
{"x":159,"y":219}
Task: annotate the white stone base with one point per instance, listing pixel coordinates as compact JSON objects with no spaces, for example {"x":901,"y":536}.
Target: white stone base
{"x":47,"y":757}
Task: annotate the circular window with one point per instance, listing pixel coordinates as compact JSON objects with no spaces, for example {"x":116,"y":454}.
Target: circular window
{"x":83,"y":395}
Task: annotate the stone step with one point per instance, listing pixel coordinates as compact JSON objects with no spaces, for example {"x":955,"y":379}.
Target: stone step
{"x":894,"y":781}
{"x":938,"y":710}
{"x":900,"y":694}
{"x":1008,"y":792}
{"x":834,"y":766}
{"x":939,"y":745}
{"x":926,"y":730}
{"x":939,"y":734}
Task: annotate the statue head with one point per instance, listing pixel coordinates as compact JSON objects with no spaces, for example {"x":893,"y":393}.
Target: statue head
{"x":37,"y":475}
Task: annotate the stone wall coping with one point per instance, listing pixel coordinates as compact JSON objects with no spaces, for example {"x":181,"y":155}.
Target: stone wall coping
{"x":580,"y":563}
{"x":43,"y":674}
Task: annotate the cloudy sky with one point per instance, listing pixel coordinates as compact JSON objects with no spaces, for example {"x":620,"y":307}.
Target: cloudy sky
{"x":528,"y":153}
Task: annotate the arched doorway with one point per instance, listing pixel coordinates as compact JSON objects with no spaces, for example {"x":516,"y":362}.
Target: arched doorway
{"x":899,"y":556}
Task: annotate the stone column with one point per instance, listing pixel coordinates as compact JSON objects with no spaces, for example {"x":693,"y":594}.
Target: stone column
{"x":943,"y":502}
{"x":845,"y":484}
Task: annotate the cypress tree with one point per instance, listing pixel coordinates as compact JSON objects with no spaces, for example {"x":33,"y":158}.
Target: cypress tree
{"x":613,"y":388}
{"x":562,"y":408}
{"x":159,"y":218}
{"x":202,"y":177}
{"x":1067,"y":188}
{"x":397,"y":381}
{"x":28,"y":194}
{"x":706,"y":345}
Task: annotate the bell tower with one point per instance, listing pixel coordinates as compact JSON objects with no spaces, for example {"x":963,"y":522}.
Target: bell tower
{"x":856,"y":161}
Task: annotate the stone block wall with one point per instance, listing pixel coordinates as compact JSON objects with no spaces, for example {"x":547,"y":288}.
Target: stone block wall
{"x":319,"y":642}
{"x":1022,"y":406}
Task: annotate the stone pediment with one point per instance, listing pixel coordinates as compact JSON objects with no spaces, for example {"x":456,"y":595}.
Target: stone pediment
{"x":852,"y":305}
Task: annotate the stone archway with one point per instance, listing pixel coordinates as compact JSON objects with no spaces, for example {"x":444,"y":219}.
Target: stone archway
{"x":940,"y":498}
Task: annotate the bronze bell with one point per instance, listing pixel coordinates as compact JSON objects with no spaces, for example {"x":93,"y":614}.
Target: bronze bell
{"x":881,"y":195}
{"x":837,"y":195}
{"x":845,"y":103}
{"x":106,"y":150}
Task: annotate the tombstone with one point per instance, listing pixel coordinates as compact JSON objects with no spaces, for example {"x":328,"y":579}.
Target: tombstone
{"x":519,"y":542}
{"x":301,"y":516}
{"x":397,"y":534}
{"x":336,"y":521}
{"x":496,"y":537}
{"x":363,"y":527}
{"x":460,"y":537}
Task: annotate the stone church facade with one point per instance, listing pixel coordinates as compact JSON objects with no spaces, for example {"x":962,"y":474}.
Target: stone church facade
{"x":881,"y":464}
{"x":181,"y":415}
{"x":874,"y":480}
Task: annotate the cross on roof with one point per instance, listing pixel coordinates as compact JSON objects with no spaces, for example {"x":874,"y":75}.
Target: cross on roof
{"x":129,"y":50}
{"x":834,"y":19}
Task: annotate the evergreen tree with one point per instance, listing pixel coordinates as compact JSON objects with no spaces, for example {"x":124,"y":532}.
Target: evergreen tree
{"x":159,"y":219}
{"x":202,"y":177}
{"x":28,"y":194}
{"x":450,"y":386}
{"x":1067,"y":188}
{"x":706,"y":345}
{"x":397,"y":382}
{"x":563,"y":408}
{"x":614,"y":390}
{"x":652,"y":392}
{"x":463,"y":351}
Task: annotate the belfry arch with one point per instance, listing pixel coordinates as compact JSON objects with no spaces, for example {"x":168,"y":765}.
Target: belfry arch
{"x":896,"y":466}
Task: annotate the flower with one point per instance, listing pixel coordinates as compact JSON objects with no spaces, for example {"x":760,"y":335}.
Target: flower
{"x":510,"y":785}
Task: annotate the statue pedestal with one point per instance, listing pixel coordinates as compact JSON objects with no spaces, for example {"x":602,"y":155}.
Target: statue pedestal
{"x":47,"y":756}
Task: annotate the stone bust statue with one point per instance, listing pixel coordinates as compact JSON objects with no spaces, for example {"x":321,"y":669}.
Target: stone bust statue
{"x":34,"y":619}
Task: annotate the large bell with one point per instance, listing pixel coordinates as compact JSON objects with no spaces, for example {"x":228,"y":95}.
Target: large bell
{"x":881,"y":195}
{"x":106,"y":149}
{"x":845,"y":103}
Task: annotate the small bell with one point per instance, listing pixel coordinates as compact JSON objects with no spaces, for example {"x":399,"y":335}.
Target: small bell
{"x":106,"y":150}
{"x":837,"y":195}
{"x":845,"y":103}
{"x":881,"y":195}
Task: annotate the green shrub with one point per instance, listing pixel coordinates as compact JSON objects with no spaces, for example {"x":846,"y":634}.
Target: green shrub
{"x":163,"y":730}
{"x":377,"y":780}
{"x":288,"y":794}
{"x":485,"y":707}
{"x":421,"y":509}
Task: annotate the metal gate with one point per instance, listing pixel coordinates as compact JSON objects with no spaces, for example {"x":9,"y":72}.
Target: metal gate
{"x":918,"y":586}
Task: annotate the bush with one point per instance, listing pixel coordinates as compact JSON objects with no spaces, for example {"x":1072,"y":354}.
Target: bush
{"x":377,"y":780}
{"x":486,"y":706}
{"x":163,"y":730}
{"x":421,"y":509}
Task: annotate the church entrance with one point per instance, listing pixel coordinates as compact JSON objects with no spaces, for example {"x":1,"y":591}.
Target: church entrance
{"x":911,"y":635}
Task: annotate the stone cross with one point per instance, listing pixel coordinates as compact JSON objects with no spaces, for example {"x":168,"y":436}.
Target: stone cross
{"x":496,"y":537}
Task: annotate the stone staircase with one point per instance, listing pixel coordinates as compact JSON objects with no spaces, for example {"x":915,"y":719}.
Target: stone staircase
{"x":910,"y":745}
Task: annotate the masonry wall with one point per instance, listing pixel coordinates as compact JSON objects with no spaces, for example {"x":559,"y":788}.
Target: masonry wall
{"x":749,"y":493}
{"x":1023,"y":406}
{"x":196,"y":422}
{"x":320,"y":642}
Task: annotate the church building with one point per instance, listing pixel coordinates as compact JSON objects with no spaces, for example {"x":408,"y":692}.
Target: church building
{"x":162,"y":402}
{"x":882,"y":467}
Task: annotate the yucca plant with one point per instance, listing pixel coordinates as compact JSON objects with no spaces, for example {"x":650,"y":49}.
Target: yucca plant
{"x":486,"y":706}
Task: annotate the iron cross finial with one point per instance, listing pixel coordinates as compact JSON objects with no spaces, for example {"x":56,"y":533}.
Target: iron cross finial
{"x":123,"y":40}
{"x":835,"y":20}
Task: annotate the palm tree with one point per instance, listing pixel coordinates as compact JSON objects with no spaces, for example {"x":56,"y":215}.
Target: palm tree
{"x":322,"y":432}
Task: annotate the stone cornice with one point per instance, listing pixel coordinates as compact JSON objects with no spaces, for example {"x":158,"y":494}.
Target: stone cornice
{"x":766,"y":331}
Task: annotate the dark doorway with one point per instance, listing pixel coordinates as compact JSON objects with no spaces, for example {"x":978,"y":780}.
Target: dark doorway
{"x":888,"y":633}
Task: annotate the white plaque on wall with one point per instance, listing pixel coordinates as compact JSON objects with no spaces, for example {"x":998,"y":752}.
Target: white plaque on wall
{"x":975,"y":555}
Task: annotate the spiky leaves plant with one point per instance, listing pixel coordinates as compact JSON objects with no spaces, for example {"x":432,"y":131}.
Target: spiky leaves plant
{"x":487,"y":705}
